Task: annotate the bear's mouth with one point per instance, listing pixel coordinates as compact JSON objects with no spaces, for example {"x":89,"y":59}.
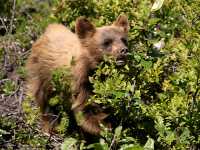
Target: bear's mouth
{"x":121,"y":61}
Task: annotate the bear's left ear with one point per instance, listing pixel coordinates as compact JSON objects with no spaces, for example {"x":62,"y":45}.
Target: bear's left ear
{"x":122,"y":22}
{"x":84,"y":28}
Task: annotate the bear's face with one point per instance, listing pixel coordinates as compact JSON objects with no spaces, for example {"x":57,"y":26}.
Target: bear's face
{"x":109,"y":40}
{"x":112,"y":40}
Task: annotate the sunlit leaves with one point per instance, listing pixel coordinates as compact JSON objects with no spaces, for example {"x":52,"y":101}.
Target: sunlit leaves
{"x":155,"y":96}
{"x":69,"y":143}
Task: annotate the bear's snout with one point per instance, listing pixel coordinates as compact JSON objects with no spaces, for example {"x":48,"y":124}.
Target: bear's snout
{"x":124,"y":51}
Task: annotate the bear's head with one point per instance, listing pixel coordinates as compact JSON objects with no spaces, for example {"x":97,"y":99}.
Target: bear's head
{"x":106,"y":40}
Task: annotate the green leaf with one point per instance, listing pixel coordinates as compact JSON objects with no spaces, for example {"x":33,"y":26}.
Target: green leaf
{"x":118,"y":132}
{"x":131,"y":147}
{"x":98,"y":146}
{"x":3,"y":132}
{"x":149,"y":144}
{"x":54,"y":101}
{"x":137,"y":58}
{"x":153,"y":21}
{"x":69,"y":143}
{"x":119,"y":94}
{"x":170,"y":137}
{"x":146,"y":64}
{"x":185,"y":136}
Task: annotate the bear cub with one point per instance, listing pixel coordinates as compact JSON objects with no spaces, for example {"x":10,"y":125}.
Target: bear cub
{"x":57,"y":47}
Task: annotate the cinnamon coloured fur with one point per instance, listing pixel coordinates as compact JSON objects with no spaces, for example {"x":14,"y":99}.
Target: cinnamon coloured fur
{"x":58,"y":46}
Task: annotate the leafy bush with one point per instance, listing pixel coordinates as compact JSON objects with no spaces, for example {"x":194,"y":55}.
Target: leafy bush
{"x":19,"y":137}
{"x":155,"y":97}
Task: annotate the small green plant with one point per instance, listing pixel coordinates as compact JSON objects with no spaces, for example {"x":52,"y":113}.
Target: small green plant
{"x":9,"y":87}
{"x":10,"y":131}
{"x":61,"y":83}
{"x":31,"y":111}
{"x":22,"y":72}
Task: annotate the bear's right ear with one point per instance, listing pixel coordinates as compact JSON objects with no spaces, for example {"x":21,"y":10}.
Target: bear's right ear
{"x":84,"y":28}
{"x":122,"y":22}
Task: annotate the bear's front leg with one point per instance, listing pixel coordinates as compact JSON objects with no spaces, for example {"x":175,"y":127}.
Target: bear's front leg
{"x":88,"y":118}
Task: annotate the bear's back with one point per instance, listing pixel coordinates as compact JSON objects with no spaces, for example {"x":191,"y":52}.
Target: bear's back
{"x":56,"y":47}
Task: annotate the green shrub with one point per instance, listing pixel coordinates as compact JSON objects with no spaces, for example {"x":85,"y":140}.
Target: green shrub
{"x":61,"y":83}
{"x":156,"y":95}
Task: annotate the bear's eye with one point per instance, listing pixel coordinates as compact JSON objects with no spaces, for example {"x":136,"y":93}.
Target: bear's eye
{"x":107,"y":42}
{"x":124,"y":40}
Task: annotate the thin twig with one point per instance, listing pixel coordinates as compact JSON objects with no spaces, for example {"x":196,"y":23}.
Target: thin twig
{"x":112,"y":143}
{"x":13,"y":16}
{"x":133,"y":92}
{"x":20,"y":101}
{"x":133,"y":87}
{"x":17,"y":89}
{"x":3,"y":80}
{"x":4,"y":25}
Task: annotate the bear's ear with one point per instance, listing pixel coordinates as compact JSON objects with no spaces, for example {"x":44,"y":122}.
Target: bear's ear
{"x":122,"y":22}
{"x":84,"y":28}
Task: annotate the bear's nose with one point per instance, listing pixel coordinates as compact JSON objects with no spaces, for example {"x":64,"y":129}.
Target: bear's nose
{"x":124,"y":50}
